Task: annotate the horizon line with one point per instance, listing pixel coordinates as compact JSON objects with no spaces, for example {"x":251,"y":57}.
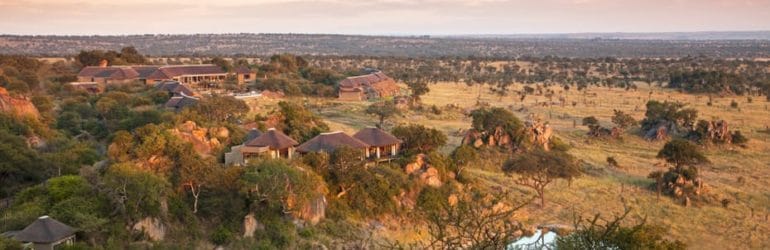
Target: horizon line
{"x":414,"y":34}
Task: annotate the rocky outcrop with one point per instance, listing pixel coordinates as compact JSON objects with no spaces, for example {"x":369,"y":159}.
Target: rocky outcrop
{"x":539,"y":133}
{"x":251,"y":225}
{"x":314,"y":211}
{"x":204,"y":140}
{"x":427,"y":174}
{"x":152,"y":227}
{"x":17,"y":106}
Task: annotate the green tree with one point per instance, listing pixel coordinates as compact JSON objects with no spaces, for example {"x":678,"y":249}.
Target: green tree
{"x":282,"y":185}
{"x":299,"y":122}
{"x":417,"y":89}
{"x":132,"y":56}
{"x":218,"y":109}
{"x":538,"y":168}
{"x":464,"y":156}
{"x":623,"y":120}
{"x":418,"y":138}
{"x":133,"y":192}
{"x":383,"y":110}
{"x":682,"y":153}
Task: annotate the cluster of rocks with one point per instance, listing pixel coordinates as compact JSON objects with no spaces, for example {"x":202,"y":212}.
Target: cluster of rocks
{"x":204,"y":140}
{"x":538,"y":133}
{"x":427,"y":174}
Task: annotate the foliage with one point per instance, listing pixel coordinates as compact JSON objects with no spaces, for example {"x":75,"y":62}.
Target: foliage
{"x":280,"y":185}
{"x":489,"y":119}
{"x":592,"y":234}
{"x":10,"y":244}
{"x":216,"y":109}
{"x":299,"y":123}
{"x":472,"y":223}
{"x":418,"y":138}
{"x":70,"y":199}
{"x":417,"y":88}
{"x":682,"y":153}
{"x":709,"y":81}
{"x":383,"y":110}
{"x":127,"y":55}
{"x":539,"y":168}
{"x":464,"y":156}
{"x":20,"y":165}
{"x":623,"y":120}
{"x":672,"y":113}
{"x":134,"y":193}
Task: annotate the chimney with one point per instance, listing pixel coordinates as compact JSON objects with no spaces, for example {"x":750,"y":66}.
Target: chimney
{"x":103,"y":63}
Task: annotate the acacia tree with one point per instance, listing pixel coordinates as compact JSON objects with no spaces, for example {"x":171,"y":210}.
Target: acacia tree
{"x":539,"y":168}
{"x":418,"y":88}
{"x":383,"y":111}
{"x":685,"y":157}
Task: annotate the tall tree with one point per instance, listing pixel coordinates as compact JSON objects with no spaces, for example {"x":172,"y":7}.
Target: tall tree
{"x":383,"y":110}
{"x":539,"y":168}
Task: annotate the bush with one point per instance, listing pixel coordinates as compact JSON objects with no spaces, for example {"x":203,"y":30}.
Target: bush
{"x":221,"y":236}
{"x":739,"y":138}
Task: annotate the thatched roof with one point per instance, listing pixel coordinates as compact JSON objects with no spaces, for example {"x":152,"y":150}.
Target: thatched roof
{"x":328,"y":142}
{"x":180,"y":102}
{"x":376,"y":137}
{"x":174,"y":87}
{"x":45,"y":230}
{"x":252,"y":134}
{"x":274,"y":139}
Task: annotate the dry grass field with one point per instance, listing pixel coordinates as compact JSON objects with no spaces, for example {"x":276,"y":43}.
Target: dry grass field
{"x":741,"y":175}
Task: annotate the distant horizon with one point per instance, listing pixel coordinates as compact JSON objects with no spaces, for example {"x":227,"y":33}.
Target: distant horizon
{"x":379,"y":17}
{"x":415,"y":34}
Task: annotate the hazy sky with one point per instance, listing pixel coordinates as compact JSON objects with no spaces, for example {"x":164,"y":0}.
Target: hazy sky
{"x":109,"y":17}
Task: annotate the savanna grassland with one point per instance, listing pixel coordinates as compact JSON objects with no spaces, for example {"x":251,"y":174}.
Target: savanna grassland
{"x":740,"y":175}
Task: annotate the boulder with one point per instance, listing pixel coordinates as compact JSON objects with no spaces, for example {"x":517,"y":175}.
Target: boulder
{"x":251,"y":225}
{"x":314,"y":211}
{"x":152,"y":227}
{"x":430,"y":177}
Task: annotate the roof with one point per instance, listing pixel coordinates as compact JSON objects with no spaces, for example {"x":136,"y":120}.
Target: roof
{"x":252,"y":134}
{"x":115,"y":73}
{"x":328,"y":142}
{"x":376,"y":137}
{"x":45,"y":230}
{"x":168,"y":72}
{"x":364,"y":80}
{"x":145,"y":71}
{"x":243,"y":70}
{"x":274,"y":139}
{"x":179,"y":102}
{"x":174,"y":87}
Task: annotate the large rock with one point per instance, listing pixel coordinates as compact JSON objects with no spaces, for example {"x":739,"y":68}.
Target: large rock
{"x":18,"y":106}
{"x":204,"y":140}
{"x":251,"y":225}
{"x":430,"y":177}
{"x":314,"y":211}
{"x":152,"y":227}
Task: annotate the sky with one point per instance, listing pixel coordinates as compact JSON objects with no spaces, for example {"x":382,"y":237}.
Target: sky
{"x":379,"y":17}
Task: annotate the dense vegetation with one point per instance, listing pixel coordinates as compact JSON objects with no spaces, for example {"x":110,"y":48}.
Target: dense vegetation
{"x":114,"y":160}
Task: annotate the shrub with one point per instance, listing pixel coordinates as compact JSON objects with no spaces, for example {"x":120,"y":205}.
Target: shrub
{"x":221,"y":236}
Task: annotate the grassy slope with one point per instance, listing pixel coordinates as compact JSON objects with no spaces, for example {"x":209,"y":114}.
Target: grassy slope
{"x":744,"y":224}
